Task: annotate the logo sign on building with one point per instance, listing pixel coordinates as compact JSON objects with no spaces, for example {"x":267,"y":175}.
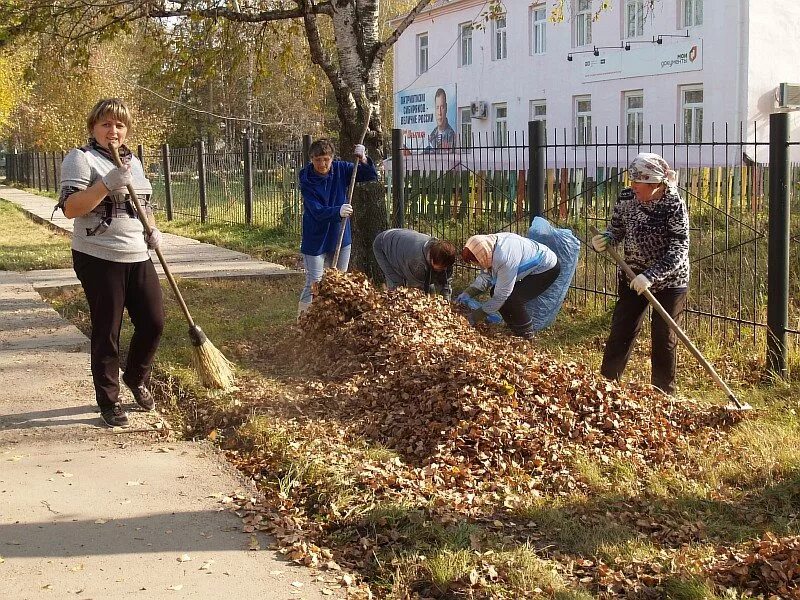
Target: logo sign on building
{"x":427,"y":116}
{"x":645,"y":60}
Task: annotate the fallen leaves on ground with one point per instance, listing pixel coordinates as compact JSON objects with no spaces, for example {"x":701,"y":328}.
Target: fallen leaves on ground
{"x":474,"y":425}
{"x":770,"y":566}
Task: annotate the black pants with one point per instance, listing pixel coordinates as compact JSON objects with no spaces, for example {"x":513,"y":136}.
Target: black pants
{"x":110,"y":288}
{"x":625,"y":325}
{"x":526,"y":289}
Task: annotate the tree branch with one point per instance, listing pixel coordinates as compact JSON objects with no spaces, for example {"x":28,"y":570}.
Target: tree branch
{"x":320,"y":57}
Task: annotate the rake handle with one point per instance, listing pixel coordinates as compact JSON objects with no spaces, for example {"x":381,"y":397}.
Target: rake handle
{"x":149,"y":230}
{"x":671,"y":322}
{"x":351,"y":188}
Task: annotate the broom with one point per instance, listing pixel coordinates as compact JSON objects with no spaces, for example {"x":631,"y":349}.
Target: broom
{"x":214,"y":370}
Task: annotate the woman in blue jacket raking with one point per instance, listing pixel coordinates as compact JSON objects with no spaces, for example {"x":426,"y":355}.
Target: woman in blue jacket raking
{"x":324,"y":184}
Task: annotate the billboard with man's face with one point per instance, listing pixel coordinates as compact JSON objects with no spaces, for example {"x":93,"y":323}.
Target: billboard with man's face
{"x":427,"y":116}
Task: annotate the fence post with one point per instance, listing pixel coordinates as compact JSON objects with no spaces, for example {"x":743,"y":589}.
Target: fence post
{"x":37,"y":171}
{"x":46,"y":172}
{"x":56,"y":182}
{"x":398,"y":180}
{"x":140,"y":154}
{"x":536,"y":174}
{"x":778,"y":248}
{"x":248,"y":179}
{"x":167,"y":180}
{"x":201,"y":174}
{"x":306,"y":148}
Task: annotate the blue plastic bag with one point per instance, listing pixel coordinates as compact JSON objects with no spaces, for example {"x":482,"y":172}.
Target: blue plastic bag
{"x":544,"y":308}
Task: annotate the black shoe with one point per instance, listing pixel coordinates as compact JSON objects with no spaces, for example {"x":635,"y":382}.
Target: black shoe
{"x":115,"y":416}
{"x":142,"y":395}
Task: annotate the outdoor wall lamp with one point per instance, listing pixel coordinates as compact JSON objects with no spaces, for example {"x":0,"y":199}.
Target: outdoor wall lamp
{"x":596,"y":49}
{"x":660,"y":40}
{"x":593,"y":51}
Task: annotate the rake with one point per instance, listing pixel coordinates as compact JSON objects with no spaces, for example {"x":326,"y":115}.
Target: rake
{"x":343,"y":225}
{"x":735,"y":403}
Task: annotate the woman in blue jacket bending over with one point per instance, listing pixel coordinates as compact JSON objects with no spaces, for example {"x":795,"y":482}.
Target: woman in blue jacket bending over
{"x":324,"y":184}
{"x":514,"y":270}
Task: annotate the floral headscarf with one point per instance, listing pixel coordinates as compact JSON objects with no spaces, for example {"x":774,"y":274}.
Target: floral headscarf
{"x":652,"y":168}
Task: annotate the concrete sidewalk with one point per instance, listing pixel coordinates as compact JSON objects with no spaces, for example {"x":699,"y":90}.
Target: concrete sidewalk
{"x":186,"y":257}
{"x":89,"y":513}
{"x":93,"y":513}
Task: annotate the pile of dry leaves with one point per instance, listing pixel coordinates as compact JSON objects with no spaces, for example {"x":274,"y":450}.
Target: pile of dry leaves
{"x":479,"y":423}
{"x":770,"y":566}
{"x":469,"y":407}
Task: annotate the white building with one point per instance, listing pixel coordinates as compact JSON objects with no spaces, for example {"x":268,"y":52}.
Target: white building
{"x":718,"y":62}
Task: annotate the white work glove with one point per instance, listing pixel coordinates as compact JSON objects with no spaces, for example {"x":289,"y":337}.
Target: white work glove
{"x":640,"y":283}
{"x":154,"y":239}
{"x":360,"y":151}
{"x":118,"y":178}
{"x":345,"y":210}
{"x":600,"y":242}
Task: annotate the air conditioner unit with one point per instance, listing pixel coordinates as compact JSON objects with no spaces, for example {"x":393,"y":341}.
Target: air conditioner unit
{"x":789,"y":95}
{"x":478,"y":109}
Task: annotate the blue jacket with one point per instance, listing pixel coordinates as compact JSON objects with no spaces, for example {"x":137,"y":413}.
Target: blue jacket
{"x":514,"y":258}
{"x":322,"y":197}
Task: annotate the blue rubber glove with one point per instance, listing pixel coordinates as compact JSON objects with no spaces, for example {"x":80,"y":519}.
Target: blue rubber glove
{"x":494,"y":318}
{"x":469,"y":293}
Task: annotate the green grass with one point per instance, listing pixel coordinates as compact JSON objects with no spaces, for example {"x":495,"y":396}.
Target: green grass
{"x":274,"y":245}
{"x":27,"y":246}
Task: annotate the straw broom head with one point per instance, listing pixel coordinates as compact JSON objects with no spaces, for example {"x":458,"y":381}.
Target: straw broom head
{"x":214,"y":370}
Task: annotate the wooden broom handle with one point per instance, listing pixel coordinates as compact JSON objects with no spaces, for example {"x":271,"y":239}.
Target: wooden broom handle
{"x":149,"y":230}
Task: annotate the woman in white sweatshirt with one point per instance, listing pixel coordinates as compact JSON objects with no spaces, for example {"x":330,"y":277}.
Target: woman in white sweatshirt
{"x":515,"y":270}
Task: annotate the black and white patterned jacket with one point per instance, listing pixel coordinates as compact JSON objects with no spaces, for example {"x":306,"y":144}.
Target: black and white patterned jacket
{"x":656,"y":238}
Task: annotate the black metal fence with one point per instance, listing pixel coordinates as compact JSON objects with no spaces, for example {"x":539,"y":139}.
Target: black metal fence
{"x":485,"y":185}
{"x":255,"y":185}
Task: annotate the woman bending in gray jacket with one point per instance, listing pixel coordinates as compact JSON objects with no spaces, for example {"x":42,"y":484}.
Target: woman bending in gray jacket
{"x":412,"y":259}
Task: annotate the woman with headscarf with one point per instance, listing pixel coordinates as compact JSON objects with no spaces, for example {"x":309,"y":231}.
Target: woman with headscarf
{"x":515,"y":270}
{"x":651,"y":218}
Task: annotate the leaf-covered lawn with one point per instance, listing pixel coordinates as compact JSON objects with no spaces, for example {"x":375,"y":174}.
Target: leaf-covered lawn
{"x":382,"y":469}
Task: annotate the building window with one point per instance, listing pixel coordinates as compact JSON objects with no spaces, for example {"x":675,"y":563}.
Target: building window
{"x":465,"y":123}
{"x":692,"y":114}
{"x":538,"y":29}
{"x":634,"y":18}
{"x":422,"y":53}
{"x":465,"y":35}
{"x":583,"y":119}
{"x":583,"y":22}
{"x":634,"y":117}
{"x":499,"y":47}
{"x":692,"y":13}
{"x":500,"y":112}
{"x":538,"y":112}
